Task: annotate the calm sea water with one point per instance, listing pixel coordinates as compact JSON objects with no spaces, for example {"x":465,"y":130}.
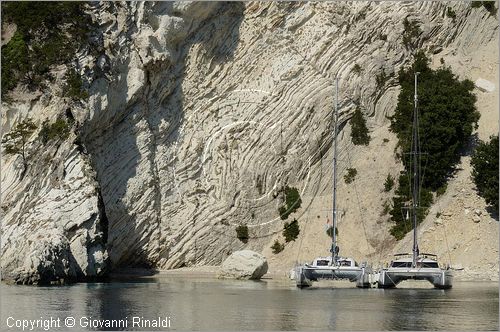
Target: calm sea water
{"x":209,"y":304}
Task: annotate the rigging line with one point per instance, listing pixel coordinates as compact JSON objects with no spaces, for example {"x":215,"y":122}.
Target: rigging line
{"x":302,"y":237}
{"x":308,"y":217}
{"x":445,"y":237}
{"x":359,"y":202}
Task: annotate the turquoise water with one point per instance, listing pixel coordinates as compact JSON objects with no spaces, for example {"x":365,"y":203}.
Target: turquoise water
{"x":210,"y":304}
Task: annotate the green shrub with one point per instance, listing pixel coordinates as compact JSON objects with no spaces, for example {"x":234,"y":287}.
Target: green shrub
{"x":359,"y":131}
{"x":476,"y":4}
{"x":382,"y":37}
{"x":242,"y":233}
{"x":357,"y":69}
{"x":292,"y":202}
{"x":488,"y":5}
{"x":411,"y":32}
{"x":277,"y":247}
{"x":441,"y":190}
{"x":58,"y":130}
{"x":386,"y":208}
{"x":386,"y":140}
{"x":389,"y":183}
{"x":291,"y":230}
{"x":329,"y":231}
{"x":451,"y":13}
{"x":485,"y":171}
{"x":73,"y":87}
{"x":351,"y":174}
{"x":48,"y":34}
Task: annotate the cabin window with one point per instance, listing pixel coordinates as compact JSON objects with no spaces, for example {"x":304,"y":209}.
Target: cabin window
{"x":401,"y":264}
{"x":322,"y":262}
{"x":431,"y":264}
{"x":345,"y":263}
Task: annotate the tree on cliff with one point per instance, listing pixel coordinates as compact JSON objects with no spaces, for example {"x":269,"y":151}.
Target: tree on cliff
{"x":47,"y":34}
{"x":16,"y":140}
{"x":485,"y":171}
{"x":447,"y":117}
{"x":359,"y":131}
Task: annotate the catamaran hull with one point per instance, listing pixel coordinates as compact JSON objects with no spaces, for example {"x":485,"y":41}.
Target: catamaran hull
{"x":305,"y":275}
{"x":442,"y":279}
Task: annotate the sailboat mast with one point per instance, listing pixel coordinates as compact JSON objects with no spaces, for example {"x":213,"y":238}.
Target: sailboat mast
{"x":334,"y":209}
{"x":415,"y":156}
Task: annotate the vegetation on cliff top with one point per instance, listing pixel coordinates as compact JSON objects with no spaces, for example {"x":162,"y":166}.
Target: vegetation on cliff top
{"x":47,"y":34}
{"x":447,"y":117}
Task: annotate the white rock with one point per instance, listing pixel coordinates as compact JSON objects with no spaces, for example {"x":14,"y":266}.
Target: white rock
{"x":438,"y":221}
{"x":484,"y":85}
{"x":244,"y":264}
{"x":155,"y":125}
{"x":476,"y":219}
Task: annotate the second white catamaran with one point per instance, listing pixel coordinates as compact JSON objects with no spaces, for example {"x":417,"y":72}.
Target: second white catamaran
{"x":417,"y":266}
{"x":334,"y":266}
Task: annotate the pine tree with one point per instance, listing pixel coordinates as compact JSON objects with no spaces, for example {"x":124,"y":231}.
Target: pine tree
{"x":485,"y":171}
{"x":447,"y":117}
{"x":359,"y":131}
{"x":16,"y":140}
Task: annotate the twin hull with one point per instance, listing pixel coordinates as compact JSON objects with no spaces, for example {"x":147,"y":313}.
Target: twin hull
{"x":364,"y":276}
{"x":439,"y":278}
{"x":305,"y":275}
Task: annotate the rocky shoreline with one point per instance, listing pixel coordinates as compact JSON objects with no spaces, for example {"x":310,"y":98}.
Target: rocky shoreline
{"x":212,"y":272}
{"x":136,"y":183}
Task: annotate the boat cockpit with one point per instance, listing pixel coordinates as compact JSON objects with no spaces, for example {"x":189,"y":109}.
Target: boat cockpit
{"x":423,"y":261}
{"x":341,"y":261}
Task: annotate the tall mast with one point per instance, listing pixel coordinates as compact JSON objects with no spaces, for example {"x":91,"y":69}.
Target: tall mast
{"x":416,"y":176}
{"x":334,"y":210}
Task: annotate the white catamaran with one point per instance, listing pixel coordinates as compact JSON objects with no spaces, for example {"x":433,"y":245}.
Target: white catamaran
{"x":334,"y":266}
{"x":415,"y":265}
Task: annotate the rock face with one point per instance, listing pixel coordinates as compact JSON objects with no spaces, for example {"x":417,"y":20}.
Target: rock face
{"x":198,"y":112}
{"x":244,"y":264}
{"x":54,"y":229}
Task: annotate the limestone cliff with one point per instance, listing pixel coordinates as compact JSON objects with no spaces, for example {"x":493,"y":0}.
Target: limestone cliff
{"x":197,"y":114}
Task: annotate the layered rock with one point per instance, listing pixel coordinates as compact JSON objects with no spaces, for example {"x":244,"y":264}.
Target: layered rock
{"x":53,"y":226}
{"x":199,"y":112}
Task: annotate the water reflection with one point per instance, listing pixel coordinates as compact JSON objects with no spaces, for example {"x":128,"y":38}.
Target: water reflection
{"x":206,"y":304}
